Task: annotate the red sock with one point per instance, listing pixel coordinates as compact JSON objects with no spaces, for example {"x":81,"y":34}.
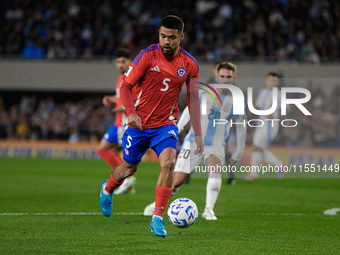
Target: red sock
{"x":163,"y":195}
{"x":110,"y":158}
{"x":112,"y":184}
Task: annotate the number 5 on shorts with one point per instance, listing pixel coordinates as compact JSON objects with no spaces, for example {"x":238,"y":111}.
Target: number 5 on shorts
{"x":129,"y":138}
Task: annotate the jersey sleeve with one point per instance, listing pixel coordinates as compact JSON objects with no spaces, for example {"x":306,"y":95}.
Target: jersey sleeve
{"x":137,"y":68}
{"x":118,"y":84}
{"x":193,"y":100}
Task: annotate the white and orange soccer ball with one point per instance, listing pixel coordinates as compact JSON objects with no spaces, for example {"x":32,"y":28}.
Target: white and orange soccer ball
{"x":182,"y":212}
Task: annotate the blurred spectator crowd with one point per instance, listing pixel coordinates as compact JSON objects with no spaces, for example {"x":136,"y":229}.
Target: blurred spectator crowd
{"x":322,"y":129}
{"x":87,"y":120}
{"x":44,"y":119}
{"x":283,"y":31}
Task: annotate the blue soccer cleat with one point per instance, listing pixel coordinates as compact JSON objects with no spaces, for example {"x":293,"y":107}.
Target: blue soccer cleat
{"x":105,"y":201}
{"x":157,"y":227}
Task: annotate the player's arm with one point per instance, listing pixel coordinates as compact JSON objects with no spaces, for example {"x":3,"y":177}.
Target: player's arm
{"x":126,"y":95}
{"x":241,"y":132}
{"x":119,"y":108}
{"x":132,"y":76}
{"x":195,"y":113}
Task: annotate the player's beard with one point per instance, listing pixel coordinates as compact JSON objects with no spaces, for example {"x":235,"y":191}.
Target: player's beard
{"x":168,"y":53}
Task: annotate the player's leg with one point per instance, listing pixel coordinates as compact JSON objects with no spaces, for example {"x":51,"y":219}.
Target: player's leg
{"x":116,"y":179}
{"x":109,"y":146}
{"x":109,"y":152}
{"x":163,"y":190}
{"x":135,"y":144}
{"x":109,"y":149}
{"x":214,"y":184}
{"x":184,"y":166}
{"x":259,"y":142}
{"x":179,"y":179}
{"x":255,"y":161}
{"x":164,"y":143}
{"x":231,"y":178}
{"x":268,"y":156}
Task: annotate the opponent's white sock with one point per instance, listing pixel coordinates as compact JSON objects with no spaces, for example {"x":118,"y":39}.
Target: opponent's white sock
{"x":213,"y":189}
{"x":271,"y":158}
{"x":256,"y":158}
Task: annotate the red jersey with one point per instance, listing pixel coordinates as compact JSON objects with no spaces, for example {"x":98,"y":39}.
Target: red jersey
{"x":120,"y":116}
{"x":159,"y":81}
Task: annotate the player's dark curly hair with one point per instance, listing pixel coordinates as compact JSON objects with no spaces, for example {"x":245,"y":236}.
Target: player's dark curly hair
{"x":280,"y":77}
{"x":122,"y":53}
{"x":274,"y":74}
{"x":172,"y":22}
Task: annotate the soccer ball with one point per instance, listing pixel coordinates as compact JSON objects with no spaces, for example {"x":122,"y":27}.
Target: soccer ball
{"x":182,"y":212}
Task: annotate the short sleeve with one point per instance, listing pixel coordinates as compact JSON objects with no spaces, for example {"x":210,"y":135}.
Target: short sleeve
{"x":137,"y":68}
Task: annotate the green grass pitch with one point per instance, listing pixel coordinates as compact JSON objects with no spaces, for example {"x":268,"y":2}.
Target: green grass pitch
{"x":265,"y":216}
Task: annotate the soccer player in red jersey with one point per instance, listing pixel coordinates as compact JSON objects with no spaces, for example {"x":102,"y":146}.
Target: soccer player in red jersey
{"x":159,"y":71}
{"x":110,"y":145}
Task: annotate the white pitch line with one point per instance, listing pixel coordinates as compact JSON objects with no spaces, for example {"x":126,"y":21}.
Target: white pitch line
{"x":266,"y":214}
{"x":140,"y":213}
{"x":332,"y":211}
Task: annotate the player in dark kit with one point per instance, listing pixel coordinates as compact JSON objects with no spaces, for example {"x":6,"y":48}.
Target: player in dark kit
{"x":159,"y":71}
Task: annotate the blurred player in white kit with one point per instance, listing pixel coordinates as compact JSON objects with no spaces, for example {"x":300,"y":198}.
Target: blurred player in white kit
{"x":264,"y":135}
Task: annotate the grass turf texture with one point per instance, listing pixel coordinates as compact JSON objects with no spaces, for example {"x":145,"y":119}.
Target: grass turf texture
{"x":251,"y":215}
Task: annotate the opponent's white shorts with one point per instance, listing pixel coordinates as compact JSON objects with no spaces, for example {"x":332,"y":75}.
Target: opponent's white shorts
{"x":187,"y":161}
{"x":263,"y":136}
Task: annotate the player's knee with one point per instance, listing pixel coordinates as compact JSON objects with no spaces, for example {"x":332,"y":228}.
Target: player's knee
{"x":130,"y":170}
{"x":168,"y":164}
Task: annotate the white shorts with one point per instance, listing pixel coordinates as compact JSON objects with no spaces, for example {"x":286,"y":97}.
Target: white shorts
{"x":187,"y":161}
{"x":263,"y":136}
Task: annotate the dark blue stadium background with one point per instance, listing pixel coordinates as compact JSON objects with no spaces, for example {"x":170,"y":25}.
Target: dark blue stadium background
{"x":271,"y":30}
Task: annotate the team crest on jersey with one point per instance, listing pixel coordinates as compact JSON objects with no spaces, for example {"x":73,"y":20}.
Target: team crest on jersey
{"x":181,"y":72}
{"x":127,"y":152}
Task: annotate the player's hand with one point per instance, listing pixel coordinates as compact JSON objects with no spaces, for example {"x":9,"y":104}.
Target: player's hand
{"x":200,"y":145}
{"x":135,"y":121}
{"x":232,"y":161}
{"x":109,"y":100}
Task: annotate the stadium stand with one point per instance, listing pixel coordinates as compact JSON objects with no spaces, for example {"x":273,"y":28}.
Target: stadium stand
{"x":283,"y":31}
{"x":85,"y":119}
